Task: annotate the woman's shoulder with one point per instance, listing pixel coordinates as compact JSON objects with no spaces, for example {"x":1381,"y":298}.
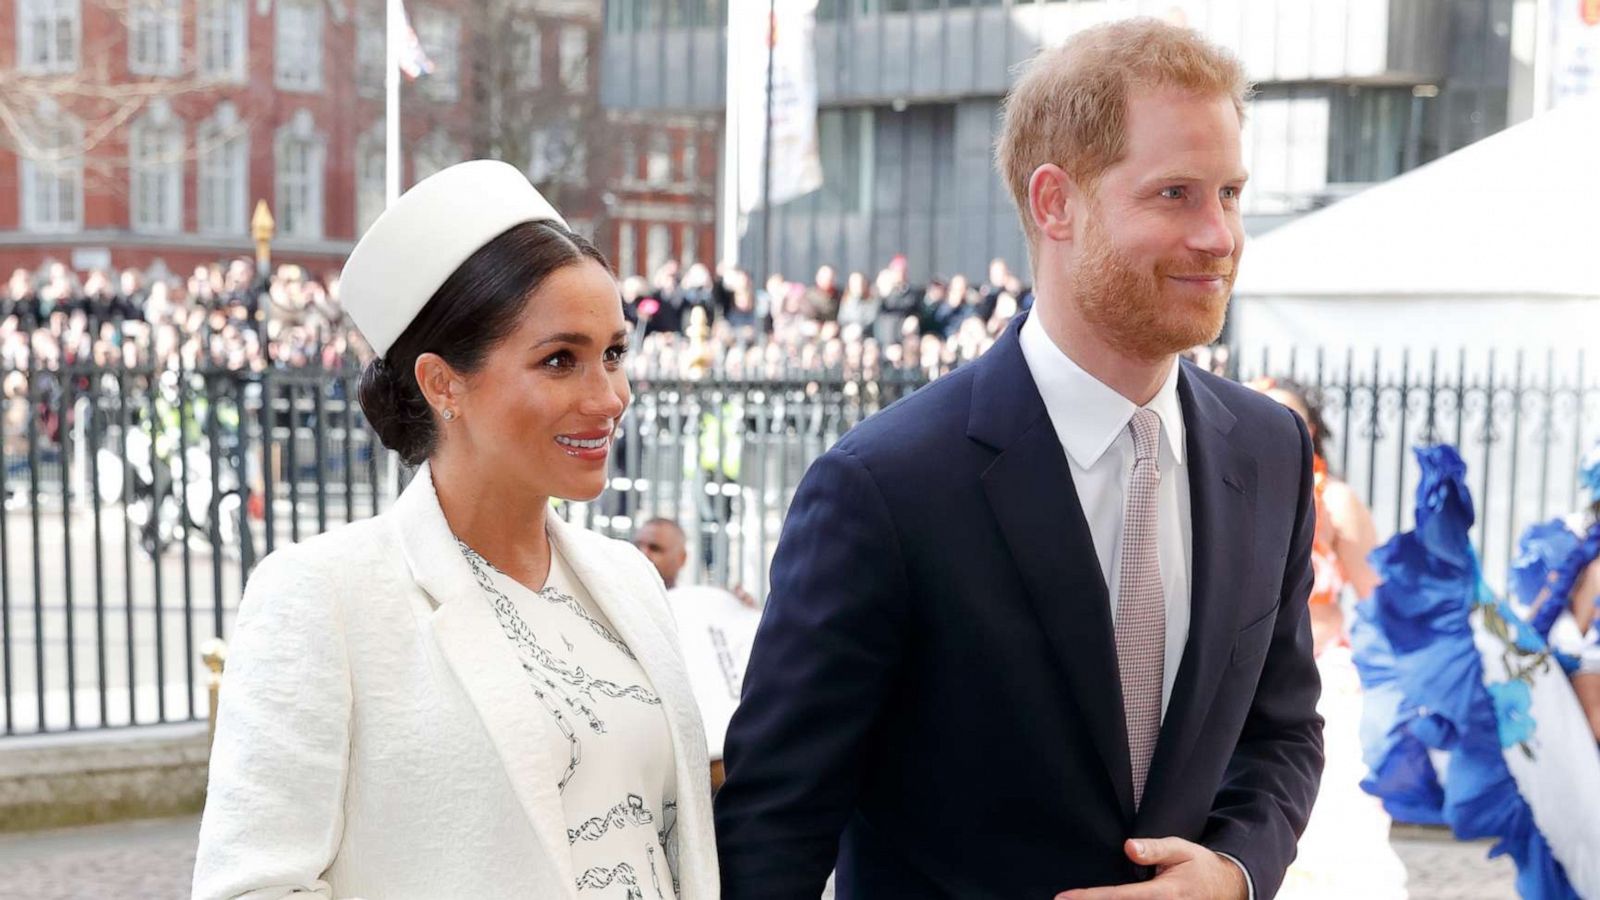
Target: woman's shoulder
{"x":356,"y":551}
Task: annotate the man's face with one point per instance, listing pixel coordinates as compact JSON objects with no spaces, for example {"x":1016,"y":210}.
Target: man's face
{"x":663,"y":546}
{"x":1161,"y":231}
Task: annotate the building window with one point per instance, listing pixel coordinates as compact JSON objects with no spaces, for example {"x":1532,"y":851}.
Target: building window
{"x":690,"y":249}
{"x":52,"y":181}
{"x":574,"y":58}
{"x":1375,"y":133}
{"x":49,"y":33}
{"x":372,"y":54}
{"x":622,"y":16}
{"x":529,"y":59}
{"x":627,"y":252}
{"x":439,"y":33}
{"x":222,"y":146}
{"x":299,"y":153}
{"x":155,"y":168}
{"x":657,"y":247}
{"x":298,"y":53}
{"x":153,"y":37}
{"x":702,"y":13}
{"x":845,"y":143}
{"x":436,"y":153}
{"x":658,"y":164}
{"x":220,"y":38}
{"x":630,"y":161}
{"x":371,"y":181}
{"x":1285,"y":146}
{"x":554,"y":154}
{"x":691,"y":160}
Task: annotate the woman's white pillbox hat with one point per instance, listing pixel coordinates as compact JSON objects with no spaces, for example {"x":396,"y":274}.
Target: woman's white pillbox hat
{"x":415,"y":245}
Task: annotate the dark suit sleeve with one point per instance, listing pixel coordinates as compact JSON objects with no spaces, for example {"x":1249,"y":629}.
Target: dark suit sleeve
{"x":1272,"y":779}
{"x":827,"y":650}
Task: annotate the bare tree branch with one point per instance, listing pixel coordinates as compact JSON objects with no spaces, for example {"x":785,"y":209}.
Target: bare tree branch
{"x":32,"y":103}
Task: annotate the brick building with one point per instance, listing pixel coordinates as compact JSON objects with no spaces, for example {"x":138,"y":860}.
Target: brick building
{"x":662,"y":202}
{"x":149,"y":130}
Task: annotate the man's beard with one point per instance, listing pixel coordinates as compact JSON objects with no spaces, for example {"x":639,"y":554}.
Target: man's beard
{"x":1127,"y":306}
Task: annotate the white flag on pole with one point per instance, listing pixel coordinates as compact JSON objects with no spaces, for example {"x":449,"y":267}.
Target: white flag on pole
{"x":414,"y":61}
{"x":796,"y":166}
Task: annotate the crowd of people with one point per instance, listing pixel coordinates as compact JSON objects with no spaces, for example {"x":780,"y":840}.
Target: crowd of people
{"x":226,"y":315}
{"x":695,"y":320}
{"x":689,"y":321}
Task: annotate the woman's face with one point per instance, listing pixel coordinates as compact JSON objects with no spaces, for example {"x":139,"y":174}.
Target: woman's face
{"x":545,"y":405}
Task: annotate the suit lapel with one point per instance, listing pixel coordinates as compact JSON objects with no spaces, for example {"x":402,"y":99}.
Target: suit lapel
{"x":1030,"y":491}
{"x":485,"y":664}
{"x":1222,"y":485}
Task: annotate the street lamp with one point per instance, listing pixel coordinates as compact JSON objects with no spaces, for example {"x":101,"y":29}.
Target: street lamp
{"x":262,"y":227}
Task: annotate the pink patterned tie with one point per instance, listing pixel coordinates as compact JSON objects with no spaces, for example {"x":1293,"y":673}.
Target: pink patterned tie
{"x":1141,"y":615}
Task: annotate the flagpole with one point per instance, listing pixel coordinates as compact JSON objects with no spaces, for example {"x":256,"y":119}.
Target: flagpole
{"x":394,"y":18}
{"x":732,"y":66}
{"x":766,"y":149}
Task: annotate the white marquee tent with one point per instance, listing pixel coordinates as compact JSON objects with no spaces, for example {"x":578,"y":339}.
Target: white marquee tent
{"x":1494,"y":246}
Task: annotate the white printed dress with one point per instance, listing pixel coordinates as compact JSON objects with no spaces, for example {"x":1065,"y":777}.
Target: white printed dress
{"x":618,"y":790}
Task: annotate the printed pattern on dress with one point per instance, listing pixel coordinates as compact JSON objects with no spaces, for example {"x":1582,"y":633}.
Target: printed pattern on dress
{"x":595,"y":625}
{"x":541,"y":665}
{"x":600,"y":877}
{"x":566,"y":689}
{"x":631,"y":811}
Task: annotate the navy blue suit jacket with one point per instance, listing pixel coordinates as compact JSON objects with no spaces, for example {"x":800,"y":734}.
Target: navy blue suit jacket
{"x":932,"y":702}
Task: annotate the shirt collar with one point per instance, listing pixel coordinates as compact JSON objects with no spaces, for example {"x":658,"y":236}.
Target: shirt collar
{"x":1096,"y":413}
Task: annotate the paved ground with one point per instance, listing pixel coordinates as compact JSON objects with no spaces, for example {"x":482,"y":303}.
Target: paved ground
{"x":130,"y":861}
{"x":152,"y":861}
{"x":1449,"y":870}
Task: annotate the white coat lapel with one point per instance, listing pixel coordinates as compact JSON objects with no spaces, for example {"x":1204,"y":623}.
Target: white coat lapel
{"x":626,"y":598}
{"x":485,"y":663}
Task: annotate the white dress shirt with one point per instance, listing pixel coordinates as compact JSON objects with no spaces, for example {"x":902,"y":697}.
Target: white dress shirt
{"x":1092,"y":420}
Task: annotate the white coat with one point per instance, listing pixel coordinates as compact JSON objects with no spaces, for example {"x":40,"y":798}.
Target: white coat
{"x":378,"y":738}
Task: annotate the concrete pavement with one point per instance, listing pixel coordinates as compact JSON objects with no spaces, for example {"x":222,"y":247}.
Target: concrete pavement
{"x":153,"y":861}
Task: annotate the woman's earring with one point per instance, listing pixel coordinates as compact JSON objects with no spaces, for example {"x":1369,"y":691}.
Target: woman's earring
{"x":449,"y":414}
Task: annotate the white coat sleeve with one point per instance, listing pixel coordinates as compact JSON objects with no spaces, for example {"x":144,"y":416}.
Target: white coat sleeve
{"x":275,"y":800}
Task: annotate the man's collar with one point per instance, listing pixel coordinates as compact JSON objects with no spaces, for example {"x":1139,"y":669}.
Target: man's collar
{"x":1088,"y":413}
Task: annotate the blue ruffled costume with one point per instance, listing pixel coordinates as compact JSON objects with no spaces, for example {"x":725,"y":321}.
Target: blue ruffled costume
{"x":1549,"y":561}
{"x":1416,"y":638}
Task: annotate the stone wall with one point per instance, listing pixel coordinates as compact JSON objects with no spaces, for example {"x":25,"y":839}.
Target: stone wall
{"x":57,"y":780}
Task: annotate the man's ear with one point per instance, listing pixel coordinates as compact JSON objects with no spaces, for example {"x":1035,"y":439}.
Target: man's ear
{"x":1051,"y":196}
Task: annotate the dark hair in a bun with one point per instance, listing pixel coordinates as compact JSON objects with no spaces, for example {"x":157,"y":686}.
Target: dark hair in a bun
{"x":476,"y":308}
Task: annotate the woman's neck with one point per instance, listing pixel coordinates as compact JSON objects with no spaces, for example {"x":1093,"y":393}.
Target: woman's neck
{"x":497,"y":520}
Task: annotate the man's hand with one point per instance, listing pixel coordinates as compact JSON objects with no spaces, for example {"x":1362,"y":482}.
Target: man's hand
{"x":1183,"y":871}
